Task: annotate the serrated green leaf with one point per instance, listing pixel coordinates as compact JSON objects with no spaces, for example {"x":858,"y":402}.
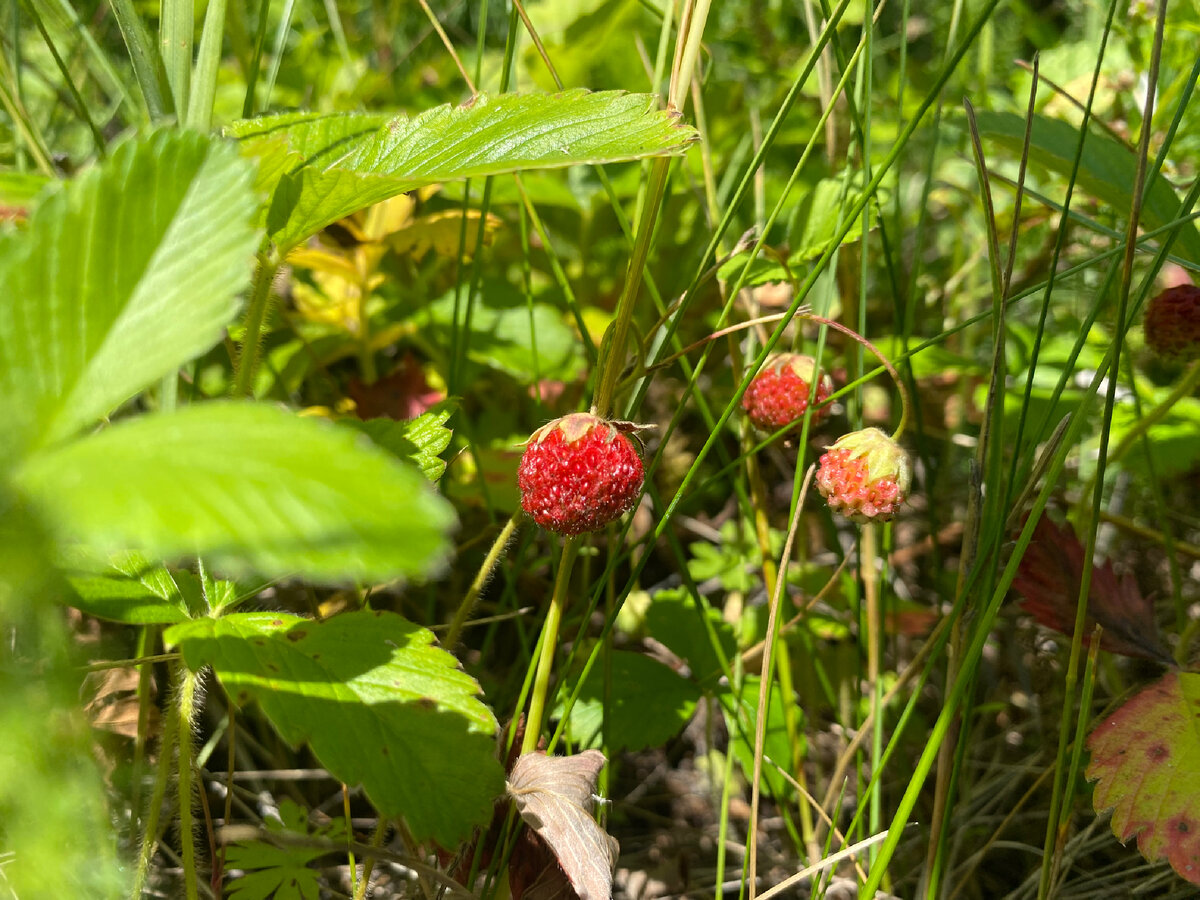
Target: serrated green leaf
{"x":1106,"y":171}
{"x":673,"y":619}
{"x":334,"y":165}
{"x":647,"y":704}
{"x":419,"y":441}
{"x":243,"y":485}
{"x":127,"y":587}
{"x":378,"y":704}
{"x":121,"y":277}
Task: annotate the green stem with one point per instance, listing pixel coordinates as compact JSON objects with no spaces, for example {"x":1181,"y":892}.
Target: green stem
{"x":208,"y":62}
{"x":147,"y":64}
{"x":256,"y":316}
{"x":541,"y":682}
{"x":481,"y":578}
{"x":175,"y":34}
{"x":613,"y":360}
{"x":905,"y":400}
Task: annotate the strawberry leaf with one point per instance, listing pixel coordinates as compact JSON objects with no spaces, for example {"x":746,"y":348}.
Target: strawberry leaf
{"x":377,"y":702}
{"x":1049,"y":578}
{"x":1146,"y":758}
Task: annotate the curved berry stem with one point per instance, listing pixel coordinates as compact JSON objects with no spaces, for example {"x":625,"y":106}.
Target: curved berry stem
{"x":905,"y":400}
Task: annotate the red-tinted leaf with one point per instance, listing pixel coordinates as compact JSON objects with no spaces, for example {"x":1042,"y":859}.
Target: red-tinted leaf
{"x":1049,"y":578}
{"x":554,"y":796}
{"x":403,"y":394}
{"x":1146,"y":756}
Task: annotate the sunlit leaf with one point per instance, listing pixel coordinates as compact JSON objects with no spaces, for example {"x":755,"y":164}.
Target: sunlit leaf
{"x":1146,"y":759}
{"x":322,"y":168}
{"x":379,"y":704}
{"x":245,"y":486}
{"x":509,"y":335}
{"x":122,"y":276}
{"x":419,"y":440}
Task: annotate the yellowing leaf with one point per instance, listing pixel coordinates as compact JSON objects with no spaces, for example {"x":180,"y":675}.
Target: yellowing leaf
{"x":388,"y":217}
{"x":554,"y":796}
{"x":1146,"y":756}
{"x":441,"y":232}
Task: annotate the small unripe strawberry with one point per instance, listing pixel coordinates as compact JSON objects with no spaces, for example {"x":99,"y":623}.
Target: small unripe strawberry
{"x":780,"y":392}
{"x":864,"y":476}
{"x":1172,"y":323}
{"x":578,"y":474}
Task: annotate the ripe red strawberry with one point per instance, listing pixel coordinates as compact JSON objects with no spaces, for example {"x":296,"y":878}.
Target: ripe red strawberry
{"x":865,"y":476}
{"x":1172,"y":323}
{"x":779,"y":393}
{"x":578,"y":474}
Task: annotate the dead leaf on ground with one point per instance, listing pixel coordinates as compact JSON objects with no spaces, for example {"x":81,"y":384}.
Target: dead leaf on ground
{"x":554,"y":796}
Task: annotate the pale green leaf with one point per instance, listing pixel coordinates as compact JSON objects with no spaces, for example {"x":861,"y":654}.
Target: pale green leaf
{"x":506,"y":334}
{"x":335,"y":165}
{"x":121,"y":277}
{"x":419,"y":441}
{"x":245,"y":485}
{"x":377,"y":702}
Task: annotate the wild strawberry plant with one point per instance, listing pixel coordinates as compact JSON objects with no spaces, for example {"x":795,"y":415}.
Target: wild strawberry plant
{"x":287,"y":294}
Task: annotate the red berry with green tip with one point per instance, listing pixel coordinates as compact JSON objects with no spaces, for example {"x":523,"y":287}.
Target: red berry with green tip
{"x":578,"y":474}
{"x":780,"y":392}
{"x":1172,"y":323}
{"x":865,"y":476}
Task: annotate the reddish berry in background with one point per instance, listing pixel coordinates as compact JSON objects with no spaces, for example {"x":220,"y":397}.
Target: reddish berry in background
{"x":1172,"y":323}
{"x":865,"y":476}
{"x":779,"y":393}
{"x":578,"y":474}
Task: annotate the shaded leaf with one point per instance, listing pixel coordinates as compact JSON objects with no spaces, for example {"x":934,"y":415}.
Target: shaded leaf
{"x":674,"y":619}
{"x":1049,"y":578}
{"x":244,"y":484}
{"x":323,"y":168}
{"x":1146,"y":760}
{"x":121,"y":277}
{"x":377,"y":702}
{"x":280,"y":870}
{"x":647,"y":704}
{"x":554,"y":796}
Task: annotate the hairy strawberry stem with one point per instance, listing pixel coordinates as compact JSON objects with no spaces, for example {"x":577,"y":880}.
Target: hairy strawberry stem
{"x":481,"y":578}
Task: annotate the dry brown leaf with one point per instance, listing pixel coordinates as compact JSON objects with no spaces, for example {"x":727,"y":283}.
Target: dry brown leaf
{"x":554,"y":796}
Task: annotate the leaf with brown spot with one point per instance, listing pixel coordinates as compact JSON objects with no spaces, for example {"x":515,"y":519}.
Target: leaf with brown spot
{"x":1146,"y":757}
{"x":554,"y":796}
{"x":1049,"y":578}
